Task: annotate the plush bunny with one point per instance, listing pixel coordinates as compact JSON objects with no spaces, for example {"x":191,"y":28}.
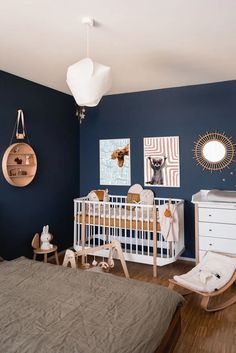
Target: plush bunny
{"x":45,"y":239}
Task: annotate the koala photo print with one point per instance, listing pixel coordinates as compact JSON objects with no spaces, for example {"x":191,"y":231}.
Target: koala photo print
{"x":114,"y":161}
{"x":161,"y":161}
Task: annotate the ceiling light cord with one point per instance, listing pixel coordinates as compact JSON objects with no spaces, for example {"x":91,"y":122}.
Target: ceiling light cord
{"x":87,"y":41}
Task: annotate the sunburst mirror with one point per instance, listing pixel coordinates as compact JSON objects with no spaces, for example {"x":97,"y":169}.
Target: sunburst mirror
{"x":214,"y":151}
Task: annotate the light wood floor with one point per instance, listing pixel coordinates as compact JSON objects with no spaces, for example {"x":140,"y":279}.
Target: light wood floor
{"x":201,"y":332}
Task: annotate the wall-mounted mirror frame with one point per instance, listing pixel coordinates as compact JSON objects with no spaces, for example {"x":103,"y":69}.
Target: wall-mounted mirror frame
{"x":214,"y":151}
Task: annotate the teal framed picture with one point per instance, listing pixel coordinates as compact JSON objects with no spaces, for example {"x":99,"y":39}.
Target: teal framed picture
{"x":114,"y":159}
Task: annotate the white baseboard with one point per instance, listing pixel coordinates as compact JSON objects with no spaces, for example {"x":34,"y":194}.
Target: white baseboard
{"x":187,"y":259}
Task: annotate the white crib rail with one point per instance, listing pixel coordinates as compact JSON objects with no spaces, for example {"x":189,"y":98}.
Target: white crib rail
{"x":97,"y":223}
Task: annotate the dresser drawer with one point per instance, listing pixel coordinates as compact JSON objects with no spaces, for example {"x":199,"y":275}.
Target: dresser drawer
{"x":217,"y":244}
{"x":217,"y":215}
{"x":217,"y":230}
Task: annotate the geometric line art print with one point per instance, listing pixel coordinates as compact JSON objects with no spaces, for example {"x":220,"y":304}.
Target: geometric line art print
{"x":161,"y":161}
{"x":114,"y":158}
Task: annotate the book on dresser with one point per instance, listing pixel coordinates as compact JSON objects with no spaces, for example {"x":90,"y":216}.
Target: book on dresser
{"x":215,"y":222}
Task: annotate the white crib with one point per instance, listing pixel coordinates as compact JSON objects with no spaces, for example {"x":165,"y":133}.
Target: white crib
{"x":135,"y":225}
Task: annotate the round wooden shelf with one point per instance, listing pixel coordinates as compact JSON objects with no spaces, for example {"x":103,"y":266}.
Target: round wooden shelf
{"x":19,"y":164}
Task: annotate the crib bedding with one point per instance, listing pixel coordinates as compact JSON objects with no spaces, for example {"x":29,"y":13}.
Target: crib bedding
{"x":112,"y":222}
{"x":48,"y":308}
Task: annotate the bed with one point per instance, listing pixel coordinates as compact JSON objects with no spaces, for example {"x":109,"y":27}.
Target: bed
{"x":51,"y":309}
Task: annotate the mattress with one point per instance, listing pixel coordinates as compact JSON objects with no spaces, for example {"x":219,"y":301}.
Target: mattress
{"x":51,"y":309}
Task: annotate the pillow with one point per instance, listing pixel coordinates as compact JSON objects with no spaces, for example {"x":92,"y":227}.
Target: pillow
{"x":102,"y":195}
{"x":92,"y":196}
{"x":147,"y":197}
{"x":135,"y":189}
{"x":133,"y":198}
{"x":97,"y":196}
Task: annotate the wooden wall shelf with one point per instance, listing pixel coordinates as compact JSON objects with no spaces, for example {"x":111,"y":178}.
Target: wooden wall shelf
{"x":19,"y":164}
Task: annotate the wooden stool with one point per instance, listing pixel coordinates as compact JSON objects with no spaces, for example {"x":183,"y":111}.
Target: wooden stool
{"x":38,"y":251}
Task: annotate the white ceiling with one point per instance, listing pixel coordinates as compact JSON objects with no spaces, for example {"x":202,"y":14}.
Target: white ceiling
{"x":149,"y":44}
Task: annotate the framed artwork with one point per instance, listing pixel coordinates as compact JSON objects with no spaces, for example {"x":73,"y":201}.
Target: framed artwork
{"x":115,"y":161}
{"x":161,"y":161}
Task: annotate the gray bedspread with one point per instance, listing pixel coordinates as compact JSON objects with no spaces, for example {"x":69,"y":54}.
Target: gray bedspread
{"x":50,"y":309}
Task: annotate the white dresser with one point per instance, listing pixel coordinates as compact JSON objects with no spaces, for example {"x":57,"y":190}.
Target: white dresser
{"x":215,"y":225}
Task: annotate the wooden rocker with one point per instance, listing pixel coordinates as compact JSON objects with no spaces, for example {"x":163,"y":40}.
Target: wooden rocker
{"x":206,"y":296}
{"x":70,"y":255}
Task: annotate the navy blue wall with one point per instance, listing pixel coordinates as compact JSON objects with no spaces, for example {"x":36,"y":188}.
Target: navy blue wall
{"x":185,"y":112}
{"x":53,"y":131}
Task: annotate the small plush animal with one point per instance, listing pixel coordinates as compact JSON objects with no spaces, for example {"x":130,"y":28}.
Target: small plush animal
{"x":157,"y":165}
{"x":120,"y":154}
{"x":18,"y":160}
{"x":45,"y":239}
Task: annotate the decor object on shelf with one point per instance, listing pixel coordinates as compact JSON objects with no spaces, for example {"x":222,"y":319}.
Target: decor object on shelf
{"x":18,"y":160}
{"x":214,"y":151}
{"x":113,"y":171}
{"x":37,"y":249}
{"x":87,"y":79}
{"x":19,"y":163}
{"x":210,"y":278}
{"x":27,"y":159}
{"x":161,"y":161}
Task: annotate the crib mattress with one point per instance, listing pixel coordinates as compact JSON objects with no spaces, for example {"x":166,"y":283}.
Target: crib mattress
{"x":48,"y":308}
{"x":145,"y":225}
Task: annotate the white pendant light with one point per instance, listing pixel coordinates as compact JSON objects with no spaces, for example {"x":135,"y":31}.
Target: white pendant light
{"x":87,"y":79}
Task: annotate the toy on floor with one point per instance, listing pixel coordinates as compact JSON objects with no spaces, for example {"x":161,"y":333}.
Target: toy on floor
{"x":70,"y":256}
{"x":102,"y":265}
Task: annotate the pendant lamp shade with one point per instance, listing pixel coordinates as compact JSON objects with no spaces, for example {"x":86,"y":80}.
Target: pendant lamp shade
{"x":88,"y":81}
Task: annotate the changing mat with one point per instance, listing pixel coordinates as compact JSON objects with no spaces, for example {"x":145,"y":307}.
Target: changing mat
{"x":221,"y":196}
{"x":214,"y":271}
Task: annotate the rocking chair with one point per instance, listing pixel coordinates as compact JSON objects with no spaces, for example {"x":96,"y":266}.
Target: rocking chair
{"x":213,"y":269}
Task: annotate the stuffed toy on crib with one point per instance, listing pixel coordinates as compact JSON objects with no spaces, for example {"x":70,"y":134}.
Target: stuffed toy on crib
{"x":45,"y":239}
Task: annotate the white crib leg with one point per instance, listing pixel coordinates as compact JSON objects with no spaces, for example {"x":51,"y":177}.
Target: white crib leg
{"x":83,"y":235}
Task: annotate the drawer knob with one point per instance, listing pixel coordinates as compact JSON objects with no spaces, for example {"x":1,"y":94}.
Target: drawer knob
{"x":209,"y":215}
{"x":210,"y":244}
{"x":210,"y":230}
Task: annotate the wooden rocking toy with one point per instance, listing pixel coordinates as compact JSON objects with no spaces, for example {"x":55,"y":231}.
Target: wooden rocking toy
{"x":70,"y":255}
{"x":188,"y":281}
